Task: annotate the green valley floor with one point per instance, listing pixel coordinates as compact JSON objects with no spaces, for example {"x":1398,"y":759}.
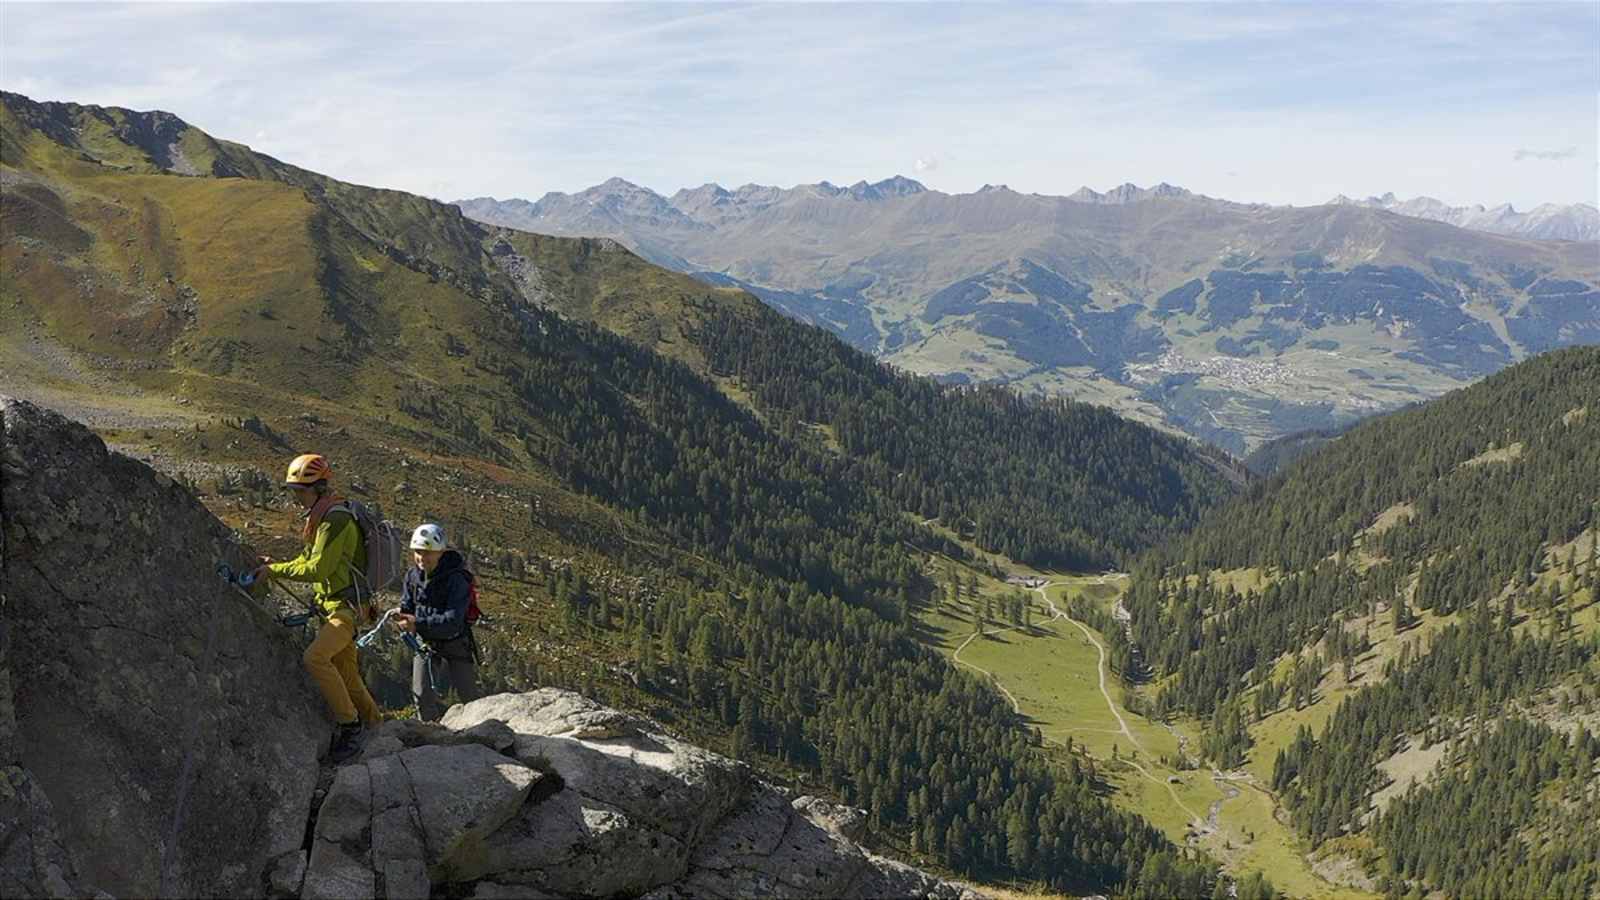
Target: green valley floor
{"x":1054,"y":673}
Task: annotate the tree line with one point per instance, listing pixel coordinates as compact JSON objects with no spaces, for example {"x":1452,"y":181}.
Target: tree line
{"x":1048,"y":482}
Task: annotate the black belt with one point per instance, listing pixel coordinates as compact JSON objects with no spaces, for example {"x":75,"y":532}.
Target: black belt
{"x":435,"y":642}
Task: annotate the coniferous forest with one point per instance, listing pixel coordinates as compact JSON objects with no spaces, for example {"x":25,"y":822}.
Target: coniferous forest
{"x":1045,"y":482}
{"x":1454,"y":527}
{"x":806,"y":648}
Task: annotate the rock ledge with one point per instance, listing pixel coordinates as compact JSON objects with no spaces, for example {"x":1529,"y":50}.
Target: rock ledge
{"x":548,"y":794}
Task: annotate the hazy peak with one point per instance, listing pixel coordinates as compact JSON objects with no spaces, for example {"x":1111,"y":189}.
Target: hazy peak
{"x":899,"y":186}
{"x":709,"y":192}
{"x":1127,"y":192}
{"x":1548,"y":221}
{"x":616,"y":185}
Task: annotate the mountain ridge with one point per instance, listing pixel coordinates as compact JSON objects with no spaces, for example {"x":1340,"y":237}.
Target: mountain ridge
{"x":1234,"y":323}
{"x":1547,"y":221}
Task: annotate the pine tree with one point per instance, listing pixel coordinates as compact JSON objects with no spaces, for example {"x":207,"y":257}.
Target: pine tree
{"x":1402,"y":614}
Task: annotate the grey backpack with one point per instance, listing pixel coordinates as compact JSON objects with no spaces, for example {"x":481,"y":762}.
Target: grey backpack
{"x":385,"y":556}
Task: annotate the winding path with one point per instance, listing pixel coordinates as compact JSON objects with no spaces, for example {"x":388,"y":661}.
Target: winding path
{"x":1230,"y":783}
{"x":956,"y":657}
{"x":1200,"y":822}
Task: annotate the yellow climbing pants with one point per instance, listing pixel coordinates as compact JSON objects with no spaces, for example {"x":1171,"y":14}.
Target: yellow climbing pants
{"x":331,"y":660}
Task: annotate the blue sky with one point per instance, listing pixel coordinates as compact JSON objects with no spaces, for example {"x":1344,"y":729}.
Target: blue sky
{"x":1277,"y":103}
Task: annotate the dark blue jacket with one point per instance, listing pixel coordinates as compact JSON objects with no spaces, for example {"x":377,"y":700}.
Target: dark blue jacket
{"x":439,"y":600}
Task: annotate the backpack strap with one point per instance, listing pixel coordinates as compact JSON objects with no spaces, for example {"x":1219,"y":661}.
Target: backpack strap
{"x":359,"y":595}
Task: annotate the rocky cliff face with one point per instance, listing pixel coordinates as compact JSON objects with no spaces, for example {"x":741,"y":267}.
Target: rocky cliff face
{"x":158,"y":738}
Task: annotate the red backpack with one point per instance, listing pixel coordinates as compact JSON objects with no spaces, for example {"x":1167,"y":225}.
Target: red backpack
{"x":473,"y":612}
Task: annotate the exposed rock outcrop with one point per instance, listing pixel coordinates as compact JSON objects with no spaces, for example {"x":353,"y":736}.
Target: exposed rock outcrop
{"x":158,"y":738}
{"x":547,"y":793}
{"x":151,"y":716}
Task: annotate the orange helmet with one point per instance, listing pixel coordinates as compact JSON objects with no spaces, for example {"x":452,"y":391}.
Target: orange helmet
{"x":308,"y":469}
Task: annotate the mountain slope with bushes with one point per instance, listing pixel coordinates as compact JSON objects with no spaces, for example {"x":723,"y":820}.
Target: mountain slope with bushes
{"x":659,"y":522}
{"x":341,"y":277}
{"x":1400,"y":632}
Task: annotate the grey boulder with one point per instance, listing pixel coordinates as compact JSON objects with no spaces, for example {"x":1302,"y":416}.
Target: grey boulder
{"x":547,"y":793}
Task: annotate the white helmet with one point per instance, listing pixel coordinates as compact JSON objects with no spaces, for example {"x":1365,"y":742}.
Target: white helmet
{"x":428,"y":536}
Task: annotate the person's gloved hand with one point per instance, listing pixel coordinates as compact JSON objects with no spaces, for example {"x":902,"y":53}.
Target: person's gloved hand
{"x":261,"y":572}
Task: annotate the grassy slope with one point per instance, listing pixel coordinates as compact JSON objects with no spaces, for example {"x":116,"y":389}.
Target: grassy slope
{"x":301,"y":319}
{"x":1277,"y":730}
{"x":1050,"y":671}
{"x":598,"y":281}
{"x":344,"y":285}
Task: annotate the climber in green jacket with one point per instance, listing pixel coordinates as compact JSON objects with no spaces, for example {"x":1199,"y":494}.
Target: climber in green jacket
{"x":333,"y":549}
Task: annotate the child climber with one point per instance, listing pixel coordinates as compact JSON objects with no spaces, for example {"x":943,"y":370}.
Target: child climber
{"x":433,"y":604}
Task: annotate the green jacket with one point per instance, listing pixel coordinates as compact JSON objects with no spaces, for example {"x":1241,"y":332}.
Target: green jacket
{"x":327,"y":561}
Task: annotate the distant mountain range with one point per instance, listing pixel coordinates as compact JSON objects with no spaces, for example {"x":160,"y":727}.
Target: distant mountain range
{"x":1547,"y":221}
{"x":1236,"y":323}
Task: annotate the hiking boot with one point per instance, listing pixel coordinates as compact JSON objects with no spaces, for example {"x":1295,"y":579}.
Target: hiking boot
{"x":346,"y":742}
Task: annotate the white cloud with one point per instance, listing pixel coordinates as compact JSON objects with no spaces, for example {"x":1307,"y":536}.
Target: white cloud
{"x":1523,"y":154}
{"x":518,"y":99}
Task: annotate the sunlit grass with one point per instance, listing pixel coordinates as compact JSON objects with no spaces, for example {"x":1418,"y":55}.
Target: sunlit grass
{"x":1052,"y":673}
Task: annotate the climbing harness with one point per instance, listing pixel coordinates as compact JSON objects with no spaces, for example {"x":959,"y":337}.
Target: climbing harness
{"x":412,"y":640}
